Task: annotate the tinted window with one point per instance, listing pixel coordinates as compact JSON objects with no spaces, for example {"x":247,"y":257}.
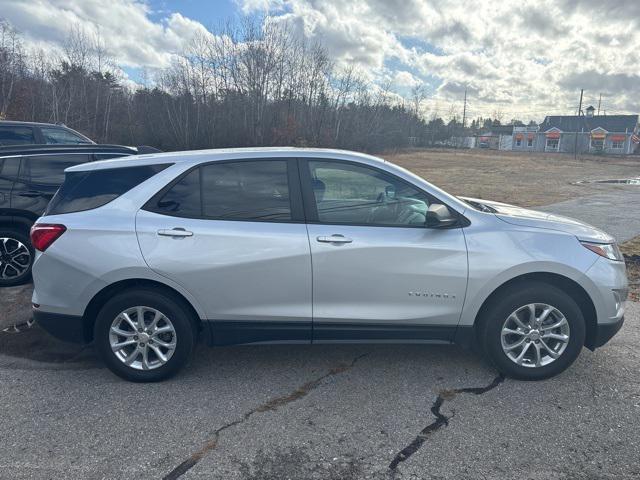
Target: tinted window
{"x":62,"y":136}
{"x":16,"y":135}
{"x":95,"y":188}
{"x":183,"y":199}
{"x":246,"y":190}
{"x":8,"y":168}
{"x":49,"y":169}
{"x":346,"y":193}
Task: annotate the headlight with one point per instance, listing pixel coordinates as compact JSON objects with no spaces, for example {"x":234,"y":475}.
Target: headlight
{"x":606,"y":250}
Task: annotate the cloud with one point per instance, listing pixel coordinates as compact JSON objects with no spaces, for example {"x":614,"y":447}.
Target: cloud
{"x":130,"y":37}
{"x":522,"y":58}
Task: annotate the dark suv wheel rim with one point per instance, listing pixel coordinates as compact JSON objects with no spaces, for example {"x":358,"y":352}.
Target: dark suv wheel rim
{"x":15,"y":258}
{"x":142,"y":338}
{"x":535,"y":335}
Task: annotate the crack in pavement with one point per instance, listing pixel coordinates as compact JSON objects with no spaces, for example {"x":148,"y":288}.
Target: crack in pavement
{"x":270,"y":405}
{"x":441,"y":419}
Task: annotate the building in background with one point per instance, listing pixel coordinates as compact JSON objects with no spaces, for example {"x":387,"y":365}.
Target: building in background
{"x":497,"y":137}
{"x":609,"y":134}
{"x":525,"y":139}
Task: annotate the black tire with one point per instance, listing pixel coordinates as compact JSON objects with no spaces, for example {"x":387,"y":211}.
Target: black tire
{"x":512,"y":299}
{"x":173,"y":308}
{"x":15,"y":235}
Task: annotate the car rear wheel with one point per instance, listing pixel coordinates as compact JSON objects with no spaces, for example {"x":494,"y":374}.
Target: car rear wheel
{"x":144,"y":335}
{"x":16,"y":257}
{"x":532,"y":332}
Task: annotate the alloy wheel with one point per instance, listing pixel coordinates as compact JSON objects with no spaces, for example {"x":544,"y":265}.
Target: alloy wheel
{"x":535,"y":335}
{"x":142,"y":338}
{"x":15,"y":258}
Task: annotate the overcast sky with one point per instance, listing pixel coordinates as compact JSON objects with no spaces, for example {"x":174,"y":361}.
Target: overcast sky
{"x":519,"y":58}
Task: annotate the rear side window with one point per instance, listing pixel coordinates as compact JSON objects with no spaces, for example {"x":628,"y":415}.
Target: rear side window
{"x":49,"y":169}
{"x":247,"y":190}
{"x":61,"y":136}
{"x":16,"y":136}
{"x":95,"y":188}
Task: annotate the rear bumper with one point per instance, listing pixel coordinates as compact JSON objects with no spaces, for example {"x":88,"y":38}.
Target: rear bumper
{"x":605,"y":332}
{"x":68,"y":328}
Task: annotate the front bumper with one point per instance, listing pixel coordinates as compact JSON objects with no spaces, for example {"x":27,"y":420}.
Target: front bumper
{"x":68,"y":328}
{"x":605,"y":332}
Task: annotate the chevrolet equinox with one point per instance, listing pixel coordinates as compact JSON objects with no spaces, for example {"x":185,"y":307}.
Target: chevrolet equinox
{"x":145,"y":255}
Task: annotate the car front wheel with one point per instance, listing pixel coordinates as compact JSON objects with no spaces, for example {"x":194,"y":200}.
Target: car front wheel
{"x":533,"y":332}
{"x":144,"y":335}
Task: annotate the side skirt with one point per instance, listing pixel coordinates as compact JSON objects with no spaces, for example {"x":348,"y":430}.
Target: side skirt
{"x":224,"y":332}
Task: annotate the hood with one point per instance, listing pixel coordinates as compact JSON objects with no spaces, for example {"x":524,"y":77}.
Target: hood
{"x":534,"y":218}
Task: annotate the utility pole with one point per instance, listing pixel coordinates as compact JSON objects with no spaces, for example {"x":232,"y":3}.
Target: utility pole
{"x":599,"y":102}
{"x":575,"y":148}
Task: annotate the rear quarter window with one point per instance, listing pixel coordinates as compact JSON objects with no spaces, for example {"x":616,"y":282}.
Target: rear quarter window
{"x":16,"y":136}
{"x":94,"y":188}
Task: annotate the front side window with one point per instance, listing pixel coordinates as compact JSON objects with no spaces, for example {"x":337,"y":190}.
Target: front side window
{"x":16,"y":136}
{"x":518,"y":142}
{"x":61,"y":136}
{"x":245,"y":191}
{"x":552,"y":143}
{"x":597,"y":144}
{"x":530,"y":142}
{"x":352,"y":194}
{"x":617,"y":144}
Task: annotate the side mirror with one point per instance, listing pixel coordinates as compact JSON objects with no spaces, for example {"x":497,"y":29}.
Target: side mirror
{"x":439,"y":216}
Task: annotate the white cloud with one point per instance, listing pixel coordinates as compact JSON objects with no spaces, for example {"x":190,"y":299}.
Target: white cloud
{"x":520,"y":58}
{"x":130,"y":37}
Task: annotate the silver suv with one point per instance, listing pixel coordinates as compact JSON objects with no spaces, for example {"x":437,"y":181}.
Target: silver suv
{"x":145,"y":255}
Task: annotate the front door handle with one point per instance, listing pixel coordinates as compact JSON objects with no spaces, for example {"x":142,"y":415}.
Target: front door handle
{"x":335,"y":239}
{"x":175,"y":232}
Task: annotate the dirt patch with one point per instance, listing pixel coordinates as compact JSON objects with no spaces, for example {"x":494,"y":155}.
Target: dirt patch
{"x":525,"y":179}
{"x":631,"y":251}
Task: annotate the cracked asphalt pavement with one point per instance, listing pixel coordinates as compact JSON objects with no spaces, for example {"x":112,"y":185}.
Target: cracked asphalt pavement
{"x":336,"y":412}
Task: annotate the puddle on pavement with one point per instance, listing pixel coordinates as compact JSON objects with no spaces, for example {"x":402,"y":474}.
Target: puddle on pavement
{"x":36,"y":345}
{"x":613,"y":181}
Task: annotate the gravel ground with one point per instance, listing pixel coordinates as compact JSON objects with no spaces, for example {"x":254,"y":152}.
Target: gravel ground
{"x":337,"y":412}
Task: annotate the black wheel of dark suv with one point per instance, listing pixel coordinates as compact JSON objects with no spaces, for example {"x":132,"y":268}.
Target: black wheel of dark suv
{"x":144,"y":335}
{"x":16,"y":257}
{"x":533,"y":331}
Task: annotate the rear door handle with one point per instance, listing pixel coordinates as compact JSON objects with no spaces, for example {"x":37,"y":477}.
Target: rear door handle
{"x":335,"y":239}
{"x":175,"y":232}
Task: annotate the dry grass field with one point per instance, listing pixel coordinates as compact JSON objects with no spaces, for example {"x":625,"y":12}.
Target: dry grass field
{"x":525,"y":179}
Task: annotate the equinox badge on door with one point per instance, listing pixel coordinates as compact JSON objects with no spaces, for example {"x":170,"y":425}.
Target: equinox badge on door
{"x":431,"y":295}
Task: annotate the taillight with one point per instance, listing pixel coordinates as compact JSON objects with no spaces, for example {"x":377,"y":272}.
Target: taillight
{"x":44,"y":234}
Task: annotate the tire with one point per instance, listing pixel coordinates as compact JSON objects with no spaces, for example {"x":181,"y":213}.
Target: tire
{"x":175,"y":326}
{"x":16,"y":253}
{"x":504,"y":350}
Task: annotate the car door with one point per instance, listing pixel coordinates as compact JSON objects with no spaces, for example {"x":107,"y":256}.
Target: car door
{"x":8,"y":173}
{"x":378,"y":272}
{"x":233,"y":234}
{"x":40,"y":177}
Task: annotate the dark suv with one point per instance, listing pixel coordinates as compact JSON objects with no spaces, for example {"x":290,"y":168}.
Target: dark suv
{"x":31,"y":133}
{"x":29,"y":176}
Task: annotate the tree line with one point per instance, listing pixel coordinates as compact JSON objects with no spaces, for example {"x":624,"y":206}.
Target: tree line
{"x":249,"y":83}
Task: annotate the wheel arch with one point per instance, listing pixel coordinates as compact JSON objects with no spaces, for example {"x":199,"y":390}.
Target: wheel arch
{"x":100,"y":298}
{"x":566,"y":284}
{"x":17,"y":220}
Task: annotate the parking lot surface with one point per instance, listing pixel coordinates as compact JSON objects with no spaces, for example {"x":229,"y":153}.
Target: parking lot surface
{"x":337,"y":412}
